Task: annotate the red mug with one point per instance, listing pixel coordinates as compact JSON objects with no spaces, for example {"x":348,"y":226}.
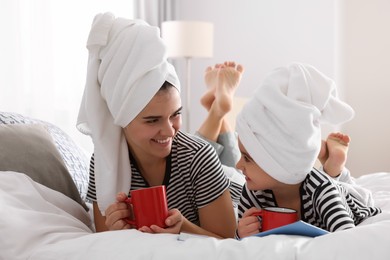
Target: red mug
{"x":274,"y":217}
{"x":149,"y":205}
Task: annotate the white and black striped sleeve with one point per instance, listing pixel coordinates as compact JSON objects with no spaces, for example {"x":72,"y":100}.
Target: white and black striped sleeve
{"x":207,"y":175}
{"x":328,"y":202}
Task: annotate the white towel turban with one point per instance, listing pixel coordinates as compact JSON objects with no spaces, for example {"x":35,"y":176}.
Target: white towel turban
{"x":280,"y":124}
{"x":126,"y":67}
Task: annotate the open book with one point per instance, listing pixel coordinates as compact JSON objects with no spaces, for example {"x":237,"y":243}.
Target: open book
{"x":298,"y":228}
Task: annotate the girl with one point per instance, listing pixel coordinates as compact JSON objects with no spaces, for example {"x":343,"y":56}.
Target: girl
{"x":280,"y":139}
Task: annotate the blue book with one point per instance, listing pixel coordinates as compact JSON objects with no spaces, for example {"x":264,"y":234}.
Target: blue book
{"x":298,"y":228}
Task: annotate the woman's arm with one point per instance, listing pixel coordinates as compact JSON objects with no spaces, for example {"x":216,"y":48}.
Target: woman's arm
{"x":217,"y":219}
{"x":100,"y":221}
{"x":115,"y":215}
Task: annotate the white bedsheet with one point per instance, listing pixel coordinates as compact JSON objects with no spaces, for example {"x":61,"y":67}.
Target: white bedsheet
{"x":38,"y":223}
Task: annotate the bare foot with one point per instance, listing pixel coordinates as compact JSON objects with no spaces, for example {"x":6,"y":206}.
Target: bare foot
{"x":333,"y":153}
{"x":211,"y":76}
{"x":207,"y":100}
{"x":323,"y":155}
{"x":211,"y":80}
{"x":229,"y":76}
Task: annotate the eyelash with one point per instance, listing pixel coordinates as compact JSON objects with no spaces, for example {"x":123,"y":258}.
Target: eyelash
{"x":246,"y":158}
{"x":152,"y":121}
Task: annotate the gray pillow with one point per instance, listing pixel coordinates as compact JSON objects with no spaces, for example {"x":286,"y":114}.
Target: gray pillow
{"x":30,"y":149}
{"x":74,"y":157}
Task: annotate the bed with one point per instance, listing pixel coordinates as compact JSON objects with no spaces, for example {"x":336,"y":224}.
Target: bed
{"x":40,"y":221}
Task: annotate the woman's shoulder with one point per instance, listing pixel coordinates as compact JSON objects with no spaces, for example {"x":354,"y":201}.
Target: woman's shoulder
{"x":189,"y":149}
{"x":190,"y":142}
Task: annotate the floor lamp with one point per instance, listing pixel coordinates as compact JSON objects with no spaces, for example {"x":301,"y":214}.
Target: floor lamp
{"x":188,"y":40}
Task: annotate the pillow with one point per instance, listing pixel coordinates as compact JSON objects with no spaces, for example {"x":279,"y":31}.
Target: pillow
{"x":30,"y":149}
{"x":74,"y":157}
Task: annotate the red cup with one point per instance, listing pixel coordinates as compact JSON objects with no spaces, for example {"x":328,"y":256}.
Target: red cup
{"x":149,"y":205}
{"x":274,"y":217}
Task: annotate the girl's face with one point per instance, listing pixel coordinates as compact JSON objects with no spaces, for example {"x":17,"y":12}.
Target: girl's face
{"x":150,"y":134}
{"x":256,"y":177}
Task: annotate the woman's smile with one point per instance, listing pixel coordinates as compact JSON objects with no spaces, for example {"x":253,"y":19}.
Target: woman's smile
{"x":163,"y":142}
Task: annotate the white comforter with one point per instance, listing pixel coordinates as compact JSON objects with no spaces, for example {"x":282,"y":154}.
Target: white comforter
{"x":39,"y":223}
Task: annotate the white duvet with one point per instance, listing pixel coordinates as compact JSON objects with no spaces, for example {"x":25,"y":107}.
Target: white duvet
{"x":39,"y":223}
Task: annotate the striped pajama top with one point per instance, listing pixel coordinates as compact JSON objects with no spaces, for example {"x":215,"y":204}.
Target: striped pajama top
{"x":325,"y":203}
{"x":194,"y":176}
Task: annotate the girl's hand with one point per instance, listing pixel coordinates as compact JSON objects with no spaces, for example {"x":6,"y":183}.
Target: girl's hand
{"x":117,"y":212}
{"x":174,"y":221}
{"x":249,"y":225}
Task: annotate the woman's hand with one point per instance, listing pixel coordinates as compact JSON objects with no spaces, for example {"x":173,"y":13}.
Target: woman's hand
{"x":249,"y":225}
{"x":117,"y":212}
{"x":174,"y":221}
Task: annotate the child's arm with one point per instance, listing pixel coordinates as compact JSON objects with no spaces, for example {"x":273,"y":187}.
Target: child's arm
{"x":348,"y":181}
{"x":249,"y":204}
{"x":331,"y":207}
{"x":248,"y":225}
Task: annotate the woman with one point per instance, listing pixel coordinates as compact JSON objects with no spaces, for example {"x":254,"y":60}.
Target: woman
{"x":132,"y":110}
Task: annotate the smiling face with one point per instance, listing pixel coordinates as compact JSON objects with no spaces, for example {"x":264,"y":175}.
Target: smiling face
{"x":256,"y":177}
{"x":150,"y":134}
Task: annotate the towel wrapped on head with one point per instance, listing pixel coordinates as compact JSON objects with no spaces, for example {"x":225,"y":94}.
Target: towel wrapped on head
{"x":127,"y":65}
{"x":280,"y":126}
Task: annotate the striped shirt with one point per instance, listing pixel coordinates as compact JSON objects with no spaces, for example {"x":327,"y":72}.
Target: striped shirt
{"x":193,"y":178}
{"x":324,"y":203}
{"x":235,"y":192}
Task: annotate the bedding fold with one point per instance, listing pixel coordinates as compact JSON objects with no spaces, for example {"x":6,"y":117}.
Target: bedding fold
{"x":33,"y":215}
{"x":38,"y":223}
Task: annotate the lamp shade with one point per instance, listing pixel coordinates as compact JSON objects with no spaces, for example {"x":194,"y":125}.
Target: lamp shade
{"x":188,"y":39}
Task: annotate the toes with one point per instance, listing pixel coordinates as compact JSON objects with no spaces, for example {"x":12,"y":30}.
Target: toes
{"x":240,"y":68}
{"x":341,"y":138}
{"x":230,"y":64}
{"x":345,"y":139}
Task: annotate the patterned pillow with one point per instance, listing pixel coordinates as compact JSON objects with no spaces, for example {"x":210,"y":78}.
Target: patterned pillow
{"x":30,"y":149}
{"x":74,"y":157}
